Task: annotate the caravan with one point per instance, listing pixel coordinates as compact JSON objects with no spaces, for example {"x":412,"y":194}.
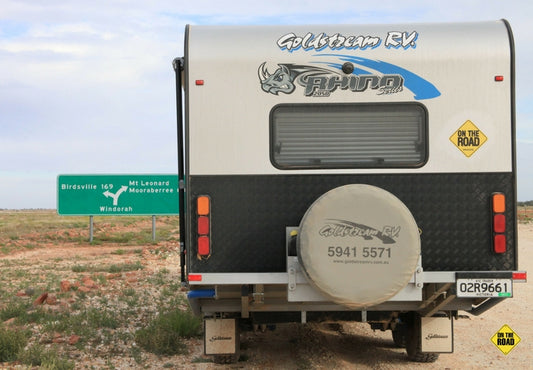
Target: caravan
{"x":347,"y":172}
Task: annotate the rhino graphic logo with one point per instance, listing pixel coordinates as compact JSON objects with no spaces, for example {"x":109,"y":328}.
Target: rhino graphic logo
{"x":284,"y":78}
{"x":279,"y":81}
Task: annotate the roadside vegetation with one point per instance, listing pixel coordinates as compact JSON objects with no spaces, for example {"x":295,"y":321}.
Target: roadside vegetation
{"x":59,"y":312}
{"x":525,"y":212}
{"x":27,"y":229}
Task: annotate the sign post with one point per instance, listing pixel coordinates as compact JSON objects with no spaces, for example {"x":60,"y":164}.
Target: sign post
{"x":153,"y":228}
{"x":91,"y":229}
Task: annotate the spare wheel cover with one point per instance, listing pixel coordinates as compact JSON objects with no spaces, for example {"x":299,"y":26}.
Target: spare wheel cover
{"x":358,"y":245}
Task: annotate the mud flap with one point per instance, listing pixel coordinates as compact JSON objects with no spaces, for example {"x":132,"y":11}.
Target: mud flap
{"x":221,"y":336}
{"x":436,"y":334}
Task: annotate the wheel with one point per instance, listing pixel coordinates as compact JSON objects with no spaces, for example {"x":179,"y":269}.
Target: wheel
{"x":226,"y":359}
{"x":413,"y":341}
{"x":399,"y":335}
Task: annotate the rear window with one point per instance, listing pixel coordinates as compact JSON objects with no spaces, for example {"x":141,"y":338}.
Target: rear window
{"x":388,"y":135}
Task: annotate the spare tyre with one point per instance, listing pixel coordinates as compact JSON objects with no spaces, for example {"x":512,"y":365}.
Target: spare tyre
{"x":358,"y":245}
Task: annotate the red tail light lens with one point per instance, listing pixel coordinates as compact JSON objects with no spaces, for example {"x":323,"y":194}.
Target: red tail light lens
{"x":203,"y":225}
{"x":500,"y":243}
{"x":499,"y":223}
{"x":203,"y":246}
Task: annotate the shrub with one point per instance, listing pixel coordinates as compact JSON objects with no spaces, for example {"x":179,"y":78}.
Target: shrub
{"x":11,"y":343}
{"x":37,"y":355}
{"x":97,"y":318}
{"x":163,"y":335}
{"x":13,"y":309}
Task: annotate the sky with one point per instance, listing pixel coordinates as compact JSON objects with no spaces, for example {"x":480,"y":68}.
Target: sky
{"x":87,"y":87}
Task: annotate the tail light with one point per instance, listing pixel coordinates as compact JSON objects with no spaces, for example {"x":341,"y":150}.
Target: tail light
{"x":203,"y":222}
{"x":499,"y":242}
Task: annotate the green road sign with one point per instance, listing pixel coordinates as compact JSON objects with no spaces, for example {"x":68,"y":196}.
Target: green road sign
{"x":93,"y":195}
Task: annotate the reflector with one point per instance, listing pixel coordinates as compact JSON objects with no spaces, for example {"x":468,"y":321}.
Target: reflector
{"x":195,"y":277}
{"x":520,"y":276}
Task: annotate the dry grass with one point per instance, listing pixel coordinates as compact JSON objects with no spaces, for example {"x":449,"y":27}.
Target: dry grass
{"x":120,"y":285}
{"x":525,"y":214}
{"x":21,"y":230}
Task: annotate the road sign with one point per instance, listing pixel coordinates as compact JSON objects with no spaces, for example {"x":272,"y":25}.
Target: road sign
{"x":505,"y":339}
{"x":86,"y":195}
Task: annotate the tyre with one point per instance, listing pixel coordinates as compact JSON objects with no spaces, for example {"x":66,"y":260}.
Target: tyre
{"x":399,"y":335}
{"x":226,"y":359}
{"x":413,"y":341}
{"x":358,"y":245}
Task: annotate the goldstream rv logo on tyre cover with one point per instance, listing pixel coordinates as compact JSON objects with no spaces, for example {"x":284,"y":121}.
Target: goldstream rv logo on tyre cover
{"x":366,"y":74}
{"x":343,"y":228}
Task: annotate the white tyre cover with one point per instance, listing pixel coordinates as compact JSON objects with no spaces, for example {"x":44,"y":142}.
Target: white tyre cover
{"x":358,"y":245}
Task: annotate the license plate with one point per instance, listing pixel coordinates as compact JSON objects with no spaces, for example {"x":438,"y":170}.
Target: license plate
{"x":484,"y":288}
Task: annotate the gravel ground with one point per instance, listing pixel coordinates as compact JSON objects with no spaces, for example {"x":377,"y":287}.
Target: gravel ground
{"x":325,"y":345}
{"x":355,"y":345}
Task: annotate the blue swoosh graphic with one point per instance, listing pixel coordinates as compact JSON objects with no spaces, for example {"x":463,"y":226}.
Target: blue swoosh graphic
{"x":423,"y":89}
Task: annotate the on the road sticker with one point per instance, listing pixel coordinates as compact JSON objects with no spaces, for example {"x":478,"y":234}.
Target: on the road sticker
{"x":505,"y":339}
{"x":468,"y":138}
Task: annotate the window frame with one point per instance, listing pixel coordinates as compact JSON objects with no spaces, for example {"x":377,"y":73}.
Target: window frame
{"x":357,"y":165}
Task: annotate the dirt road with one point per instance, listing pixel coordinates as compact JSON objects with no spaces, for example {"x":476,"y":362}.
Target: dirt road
{"x":355,"y":345}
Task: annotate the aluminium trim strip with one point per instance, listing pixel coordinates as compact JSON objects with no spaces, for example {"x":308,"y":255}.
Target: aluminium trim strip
{"x":238,"y":278}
